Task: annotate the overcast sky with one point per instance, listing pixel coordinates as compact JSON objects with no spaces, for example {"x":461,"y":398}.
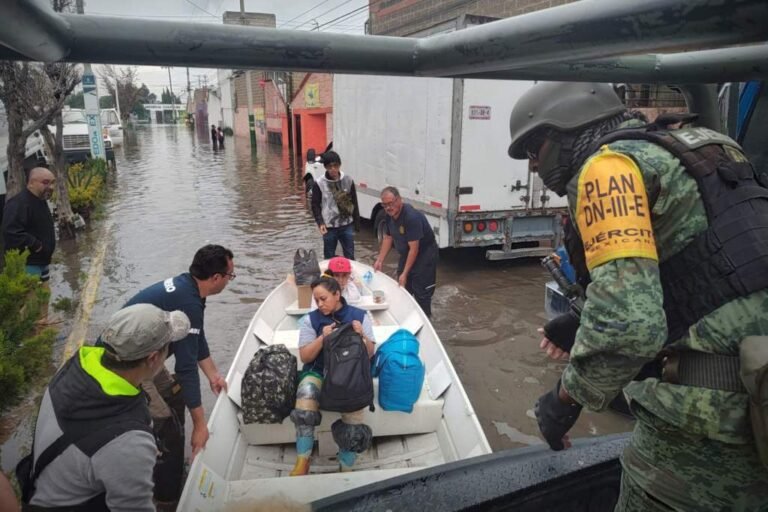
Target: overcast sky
{"x":346,"y":16}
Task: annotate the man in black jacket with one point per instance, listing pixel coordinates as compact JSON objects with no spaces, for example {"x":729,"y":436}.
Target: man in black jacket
{"x":28,"y":223}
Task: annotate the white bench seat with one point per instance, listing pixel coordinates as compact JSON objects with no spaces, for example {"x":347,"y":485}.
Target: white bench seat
{"x":290,"y":338}
{"x":366,"y":302}
{"x":426,"y":416}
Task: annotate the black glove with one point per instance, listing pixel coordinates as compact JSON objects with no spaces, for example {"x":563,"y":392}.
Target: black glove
{"x":562,"y":330}
{"x":555,"y":418}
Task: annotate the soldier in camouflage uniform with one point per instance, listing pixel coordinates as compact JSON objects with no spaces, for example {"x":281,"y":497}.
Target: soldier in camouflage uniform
{"x":636,"y":208}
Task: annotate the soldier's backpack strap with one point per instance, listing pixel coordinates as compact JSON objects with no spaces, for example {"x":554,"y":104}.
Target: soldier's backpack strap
{"x":730,"y":258}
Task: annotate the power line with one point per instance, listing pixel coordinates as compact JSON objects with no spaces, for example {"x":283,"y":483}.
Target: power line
{"x":336,"y":24}
{"x":354,"y":11}
{"x":305,"y":12}
{"x":219,"y":8}
{"x":326,"y":12}
{"x":190,"y":2}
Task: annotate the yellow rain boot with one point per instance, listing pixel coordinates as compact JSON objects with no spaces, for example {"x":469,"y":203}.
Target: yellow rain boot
{"x":304,"y":445}
{"x":302,"y":466}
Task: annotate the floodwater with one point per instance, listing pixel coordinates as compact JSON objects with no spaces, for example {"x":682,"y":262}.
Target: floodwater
{"x":174,"y":193}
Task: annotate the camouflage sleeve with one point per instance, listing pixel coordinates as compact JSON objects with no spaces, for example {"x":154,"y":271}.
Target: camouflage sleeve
{"x":622,"y":327}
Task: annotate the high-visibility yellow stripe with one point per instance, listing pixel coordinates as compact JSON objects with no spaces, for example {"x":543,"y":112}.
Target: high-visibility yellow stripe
{"x":110,"y":382}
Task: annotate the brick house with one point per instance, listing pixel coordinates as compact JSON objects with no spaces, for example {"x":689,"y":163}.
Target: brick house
{"x":275,"y":112}
{"x":239,"y":85}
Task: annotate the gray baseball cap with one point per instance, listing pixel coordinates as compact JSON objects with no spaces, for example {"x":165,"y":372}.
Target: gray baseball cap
{"x":136,"y":331}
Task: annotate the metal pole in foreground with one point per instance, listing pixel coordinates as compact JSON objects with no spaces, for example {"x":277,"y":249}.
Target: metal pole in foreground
{"x":249,"y":90}
{"x":91,"y":103}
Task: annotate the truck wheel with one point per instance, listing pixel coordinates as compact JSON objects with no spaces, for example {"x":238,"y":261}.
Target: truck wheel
{"x":379,"y":224}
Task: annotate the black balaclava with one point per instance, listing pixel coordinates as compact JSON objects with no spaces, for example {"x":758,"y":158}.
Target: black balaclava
{"x":568,"y":151}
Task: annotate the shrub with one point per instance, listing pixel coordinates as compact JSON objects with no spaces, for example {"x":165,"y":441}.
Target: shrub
{"x":25,"y":350}
{"x":86,"y":185}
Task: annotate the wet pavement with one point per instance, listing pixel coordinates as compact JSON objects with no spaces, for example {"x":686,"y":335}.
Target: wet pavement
{"x":174,"y":193}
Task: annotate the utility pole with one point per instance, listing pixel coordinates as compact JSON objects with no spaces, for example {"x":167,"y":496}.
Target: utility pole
{"x":173,"y":100}
{"x":117,"y":103}
{"x":91,"y":100}
{"x":249,"y":89}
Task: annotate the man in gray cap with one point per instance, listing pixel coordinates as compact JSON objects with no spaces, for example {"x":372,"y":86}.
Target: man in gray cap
{"x":94,"y":447}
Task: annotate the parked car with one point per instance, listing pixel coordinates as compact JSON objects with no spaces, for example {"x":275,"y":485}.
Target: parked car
{"x":34,"y":153}
{"x":111,"y":121}
{"x":77,"y":147}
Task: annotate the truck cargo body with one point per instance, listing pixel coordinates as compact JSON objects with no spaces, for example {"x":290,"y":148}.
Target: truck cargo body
{"x":443,"y":144}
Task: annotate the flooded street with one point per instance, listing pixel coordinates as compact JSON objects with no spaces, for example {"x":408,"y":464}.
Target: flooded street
{"x":174,"y":193}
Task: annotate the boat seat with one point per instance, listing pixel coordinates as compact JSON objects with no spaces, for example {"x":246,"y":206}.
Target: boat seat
{"x":425,"y":417}
{"x":290,"y":338}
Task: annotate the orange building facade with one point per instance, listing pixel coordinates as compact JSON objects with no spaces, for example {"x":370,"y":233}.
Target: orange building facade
{"x":312,"y":109}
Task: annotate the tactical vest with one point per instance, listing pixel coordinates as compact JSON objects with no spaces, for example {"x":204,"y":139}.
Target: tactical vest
{"x":730,"y":258}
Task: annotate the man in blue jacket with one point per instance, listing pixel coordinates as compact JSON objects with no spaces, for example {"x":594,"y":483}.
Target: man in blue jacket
{"x":409,"y":231}
{"x":211,"y":271}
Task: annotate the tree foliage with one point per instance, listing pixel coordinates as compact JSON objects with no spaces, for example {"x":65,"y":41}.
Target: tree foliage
{"x":75,"y":100}
{"x":33,"y":95}
{"x":167,"y":97}
{"x":124,"y":80}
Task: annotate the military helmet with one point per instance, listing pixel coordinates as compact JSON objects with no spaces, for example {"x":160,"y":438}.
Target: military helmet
{"x":563,"y":106}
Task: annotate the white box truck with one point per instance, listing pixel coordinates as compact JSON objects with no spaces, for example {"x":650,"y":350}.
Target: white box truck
{"x":443,"y":143}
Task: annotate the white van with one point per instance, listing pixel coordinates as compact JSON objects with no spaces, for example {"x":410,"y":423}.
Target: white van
{"x":111,"y":121}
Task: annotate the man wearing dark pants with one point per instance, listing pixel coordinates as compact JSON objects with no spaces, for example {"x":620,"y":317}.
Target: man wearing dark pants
{"x":28,"y":223}
{"x":334,"y":206}
{"x":409,"y":231}
{"x":211,"y":271}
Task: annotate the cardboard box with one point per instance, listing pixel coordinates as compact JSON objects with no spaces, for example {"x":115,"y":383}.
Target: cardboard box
{"x":304,"y":292}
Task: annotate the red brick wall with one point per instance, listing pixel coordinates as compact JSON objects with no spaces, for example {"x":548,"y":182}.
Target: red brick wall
{"x":239,"y":89}
{"x":405,"y":17}
{"x":274,"y":108}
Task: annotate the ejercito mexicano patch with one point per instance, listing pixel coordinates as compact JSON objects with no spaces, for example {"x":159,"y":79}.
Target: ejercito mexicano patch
{"x":612,"y":210}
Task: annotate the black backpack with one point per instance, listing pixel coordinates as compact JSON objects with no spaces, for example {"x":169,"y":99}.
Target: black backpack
{"x":268,"y":391}
{"x":347,"y":383}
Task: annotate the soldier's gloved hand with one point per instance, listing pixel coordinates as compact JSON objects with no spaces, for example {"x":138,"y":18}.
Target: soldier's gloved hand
{"x":555,"y":418}
{"x":562,"y":330}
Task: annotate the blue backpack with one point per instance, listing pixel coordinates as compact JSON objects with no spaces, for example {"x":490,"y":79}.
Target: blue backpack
{"x":400,"y":371}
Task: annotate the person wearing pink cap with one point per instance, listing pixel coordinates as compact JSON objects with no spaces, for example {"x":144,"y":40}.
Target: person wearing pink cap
{"x":340,"y":269}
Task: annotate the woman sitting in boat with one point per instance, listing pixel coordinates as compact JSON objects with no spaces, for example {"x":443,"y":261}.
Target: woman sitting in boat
{"x":340,"y":269}
{"x":351,"y":434}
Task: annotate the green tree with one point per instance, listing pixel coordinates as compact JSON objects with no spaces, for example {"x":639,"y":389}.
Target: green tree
{"x":169,"y":98}
{"x":124,"y":79}
{"x":106,"y":102}
{"x":75,"y":100}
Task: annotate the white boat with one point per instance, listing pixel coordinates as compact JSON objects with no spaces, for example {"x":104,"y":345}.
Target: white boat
{"x":251,"y":462}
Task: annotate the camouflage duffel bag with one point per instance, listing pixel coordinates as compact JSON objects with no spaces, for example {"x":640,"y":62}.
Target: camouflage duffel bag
{"x":268,"y":389}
